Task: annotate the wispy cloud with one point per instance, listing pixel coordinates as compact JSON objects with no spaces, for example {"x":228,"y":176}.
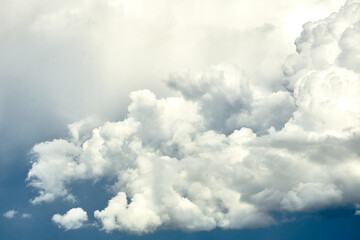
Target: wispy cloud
{"x":10,"y":214}
{"x":15,"y":214}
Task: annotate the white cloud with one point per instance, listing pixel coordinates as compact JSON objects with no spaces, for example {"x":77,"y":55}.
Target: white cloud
{"x":25,"y":215}
{"x":310,"y":196}
{"x":10,"y":214}
{"x":75,"y":218}
{"x":90,"y":54}
{"x":15,"y":214}
{"x":227,"y":151}
{"x":357,"y":209}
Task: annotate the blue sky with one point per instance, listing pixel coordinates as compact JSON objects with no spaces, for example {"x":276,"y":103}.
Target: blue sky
{"x":179,"y":119}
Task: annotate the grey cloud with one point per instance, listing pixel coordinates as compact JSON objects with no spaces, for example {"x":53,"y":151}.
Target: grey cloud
{"x":229,"y":101}
{"x":310,"y":196}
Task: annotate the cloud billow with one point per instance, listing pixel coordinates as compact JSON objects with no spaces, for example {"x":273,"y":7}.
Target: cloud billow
{"x":75,"y":218}
{"x":226,"y":152}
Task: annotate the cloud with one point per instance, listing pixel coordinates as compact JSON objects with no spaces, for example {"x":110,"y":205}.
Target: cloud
{"x":15,"y":214}
{"x":357,"y":209}
{"x":229,"y":101}
{"x":227,"y":151}
{"x":75,"y":218}
{"x":311,"y":195}
{"x":90,"y":54}
{"x":10,"y":214}
{"x":25,"y":215}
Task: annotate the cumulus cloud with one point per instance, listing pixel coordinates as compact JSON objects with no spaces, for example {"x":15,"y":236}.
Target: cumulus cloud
{"x":75,"y":218}
{"x":229,"y":101}
{"x":227,"y":151}
{"x":10,"y":214}
{"x":91,"y":53}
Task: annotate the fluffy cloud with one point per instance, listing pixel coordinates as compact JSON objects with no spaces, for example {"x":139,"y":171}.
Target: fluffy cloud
{"x":10,"y":214}
{"x":228,"y":100}
{"x":227,"y":151}
{"x":91,"y":53}
{"x":75,"y":218}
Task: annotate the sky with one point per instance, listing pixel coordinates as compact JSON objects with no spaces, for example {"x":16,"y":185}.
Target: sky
{"x":179,"y":119}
